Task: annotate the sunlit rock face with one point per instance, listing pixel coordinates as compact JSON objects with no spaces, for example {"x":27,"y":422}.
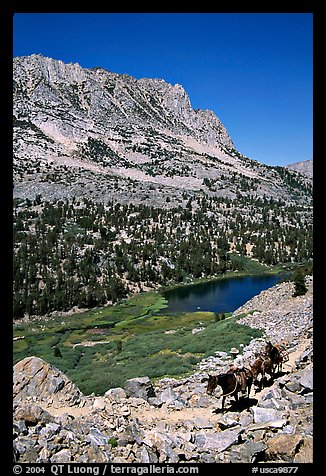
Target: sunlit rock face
{"x":74,"y":125}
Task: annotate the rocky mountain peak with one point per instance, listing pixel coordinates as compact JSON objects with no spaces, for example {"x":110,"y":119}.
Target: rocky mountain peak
{"x":68,"y":118}
{"x":47,"y":69}
{"x":42,"y":85}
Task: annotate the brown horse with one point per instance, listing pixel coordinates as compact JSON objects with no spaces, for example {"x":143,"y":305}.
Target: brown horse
{"x":278,"y":355}
{"x":283,"y":356}
{"x":262,"y":365}
{"x":231,"y":384}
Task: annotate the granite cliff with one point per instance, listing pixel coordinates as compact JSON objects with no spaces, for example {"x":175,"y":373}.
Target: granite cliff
{"x":92,"y":132}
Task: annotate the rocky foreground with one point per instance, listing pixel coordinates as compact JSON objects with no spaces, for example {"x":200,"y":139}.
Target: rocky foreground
{"x":174,"y":420}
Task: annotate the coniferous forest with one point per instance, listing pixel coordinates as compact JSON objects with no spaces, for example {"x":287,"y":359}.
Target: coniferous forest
{"x":87,"y":254}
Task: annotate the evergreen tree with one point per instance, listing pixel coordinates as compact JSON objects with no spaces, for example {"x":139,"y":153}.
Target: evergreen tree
{"x":299,"y":282}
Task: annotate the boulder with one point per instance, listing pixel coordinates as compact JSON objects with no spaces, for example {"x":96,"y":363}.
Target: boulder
{"x":168,"y":396}
{"x":293,"y":384}
{"x":264,"y":415}
{"x":20,"y":427}
{"x":99,"y":403}
{"x":44,"y":456}
{"x":140,"y":387}
{"x":32,"y":414}
{"x":227,"y":421}
{"x":24,"y":445}
{"x":219,"y":441}
{"x":293,"y":399}
{"x":276,"y":404}
{"x":201,"y":422}
{"x":283,"y":447}
{"x":305,"y":357}
{"x":50,"y":430}
{"x":146,"y":455}
{"x":96,"y":438}
{"x":200,"y":401}
{"x":62,"y":456}
{"x":155,"y":402}
{"x":163,"y":445}
{"x":35,"y":378}
{"x":96,"y":454}
{"x":249,"y":452}
{"x":270,"y":393}
{"x":30,"y":455}
{"x":306,"y":379}
{"x":115,"y":394}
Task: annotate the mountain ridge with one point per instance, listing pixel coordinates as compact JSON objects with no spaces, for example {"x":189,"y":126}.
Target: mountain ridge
{"x":304,"y":167}
{"x":171,"y":99}
{"x":69,"y":120}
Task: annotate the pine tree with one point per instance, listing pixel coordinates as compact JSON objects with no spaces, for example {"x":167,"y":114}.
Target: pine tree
{"x":299,"y":282}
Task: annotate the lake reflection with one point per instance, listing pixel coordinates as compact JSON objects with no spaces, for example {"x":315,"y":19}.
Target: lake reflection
{"x":224,"y":295}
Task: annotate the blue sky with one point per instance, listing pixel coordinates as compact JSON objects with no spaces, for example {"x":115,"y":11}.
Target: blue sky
{"x":253,"y":70}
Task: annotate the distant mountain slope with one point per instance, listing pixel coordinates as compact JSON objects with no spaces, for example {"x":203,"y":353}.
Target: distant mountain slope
{"x":120,"y":186}
{"x":305,"y":167}
{"x":91,"y":132}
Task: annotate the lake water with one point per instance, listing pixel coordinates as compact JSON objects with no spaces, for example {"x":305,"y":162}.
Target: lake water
{"x":224,"y":295}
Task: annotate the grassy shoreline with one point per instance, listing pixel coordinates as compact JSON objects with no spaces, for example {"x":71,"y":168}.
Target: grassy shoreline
{"x":103,"y":347}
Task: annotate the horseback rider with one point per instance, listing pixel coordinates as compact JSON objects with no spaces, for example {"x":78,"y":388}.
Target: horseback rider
{"x":237,"y":363}
{"x":238,"y":368}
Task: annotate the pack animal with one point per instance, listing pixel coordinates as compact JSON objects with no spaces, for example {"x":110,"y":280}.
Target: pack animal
{"x":278,"y":355}
{"x":231,"y":384}
{"x":261,"y":366}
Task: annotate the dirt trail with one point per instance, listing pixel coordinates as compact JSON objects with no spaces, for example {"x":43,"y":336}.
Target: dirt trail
{"x":293,"y":356}
{"x":173,"y":416}
{"x":152,"y":415}
{"x":76,"y":412}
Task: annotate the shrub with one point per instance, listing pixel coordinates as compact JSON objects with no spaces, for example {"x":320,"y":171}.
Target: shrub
{"x":113,"y":442}
{"x":57,"y":352}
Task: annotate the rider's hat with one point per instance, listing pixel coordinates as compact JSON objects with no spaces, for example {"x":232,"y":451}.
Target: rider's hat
{"x":234,"y":351}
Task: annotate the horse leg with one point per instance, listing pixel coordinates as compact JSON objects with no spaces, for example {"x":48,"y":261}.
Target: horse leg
{"x":262,"y":380}
{"x":223,"y":400}
{"x":249,"y":388}
{"x":236,"y":396}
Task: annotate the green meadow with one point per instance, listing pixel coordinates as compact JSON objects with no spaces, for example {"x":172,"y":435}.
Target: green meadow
{"x":102,"y":348}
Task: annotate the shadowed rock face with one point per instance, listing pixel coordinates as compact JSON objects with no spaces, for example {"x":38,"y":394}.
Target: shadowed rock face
{"x":33,"y":377}
{"x":139,"y":387}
